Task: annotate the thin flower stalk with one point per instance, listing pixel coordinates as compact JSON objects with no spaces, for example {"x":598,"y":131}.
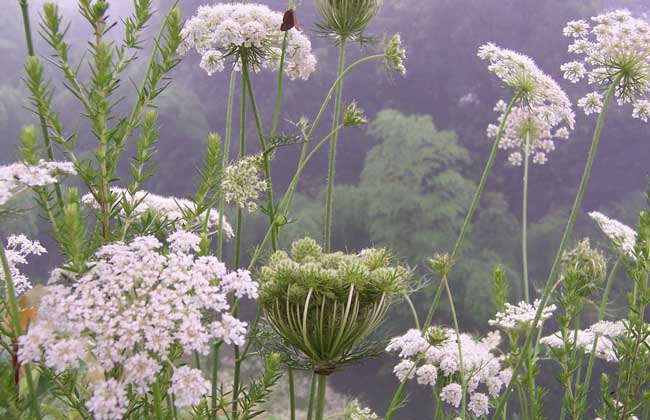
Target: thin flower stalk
{"x":565,"y":239}
{"x":474,"y":205}
{"x":240,"y":216}
{"x":332,"y":159}
{"x":265,"y":155}
{"x":524,"y":220}
{"x":226,"y":155}
{"x":461,"y":371}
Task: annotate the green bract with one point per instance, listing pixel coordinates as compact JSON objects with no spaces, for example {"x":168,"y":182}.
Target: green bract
{"x":346,"y":19}
{"x":323,"y":306}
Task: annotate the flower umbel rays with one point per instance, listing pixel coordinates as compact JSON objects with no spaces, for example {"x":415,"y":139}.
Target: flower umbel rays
{"x":542,"y":113}
{"x":616,"y":47}
{"x":325,"y":305}
{"x":228,"y":32}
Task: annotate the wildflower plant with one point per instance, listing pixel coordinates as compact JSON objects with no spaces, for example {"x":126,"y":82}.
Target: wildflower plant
{"x":133,"y":319}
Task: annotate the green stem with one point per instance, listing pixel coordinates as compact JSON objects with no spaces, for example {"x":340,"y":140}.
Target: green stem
{"x":14,"y":312}
{"x":157,"y":401}
{"x":601,"y":316}
{"x":292,"y":394}
{"x":332,"y":161}
{"x":226,"y":156}
{"x":278,"y":93}
{"x":265,"y":157}
{"x":312,"y":397}
{"x":322,"y":390}
{"x":565,"y":239}
{"x":397,"y":396}
{"x":477,"y":197}
{"x":413,"y":311}
{"x":215,"y":380}
{"x":524,"y":219}
{"x":242,"y":147}
{"x":283,"y":207}
{"x":461,"y":370}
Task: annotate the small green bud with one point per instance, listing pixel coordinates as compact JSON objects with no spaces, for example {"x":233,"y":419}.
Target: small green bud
{"x":436,"y":336}
{"x":440,"y":264}
{"x":304,"y":248}
{"x":395,"y":55}
{"x":353,"y":116}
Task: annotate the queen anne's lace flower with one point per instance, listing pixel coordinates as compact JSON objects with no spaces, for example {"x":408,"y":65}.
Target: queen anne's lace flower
{"x":222,"y":31}
{"x":520,"y":315}
{"x":606,"y":331}
{"x":479,"y":404}
{"x":17,"y":177}
{"x":623,"y":236}
{"x":452,"y":394}
{"x":241,"y":183}
{"x":616,"y":47}
{"x":541,"y":112}
{"x":170,"y":209}
{"x":436,"y":352}
{"x":135,"y":308}
{"x":17,"y":250}
{"x":108,"y":401}
{"x":188,"y":386}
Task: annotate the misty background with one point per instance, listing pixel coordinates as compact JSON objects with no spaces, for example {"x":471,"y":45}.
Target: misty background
{"x":405,"y":181}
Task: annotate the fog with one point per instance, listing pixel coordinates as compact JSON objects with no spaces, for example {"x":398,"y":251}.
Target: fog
{"x":445,"y":81}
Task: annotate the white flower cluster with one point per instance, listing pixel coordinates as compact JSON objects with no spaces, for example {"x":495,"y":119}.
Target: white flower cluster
{"x":543,"y":112}
{"x":520,"y":315}
{"x":606,"y":331}
{"x":19,"y":247}
{"x":223,"y":30}
{"x":439,"y":362}
{"x":354,"y":411}
{"x":138,"y":307}
{"x":16,"y":177}
{"x":241,"y":183}
{"x":169,"y":208}
{"x":617,"y":46}
{"x":623,"y":236}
